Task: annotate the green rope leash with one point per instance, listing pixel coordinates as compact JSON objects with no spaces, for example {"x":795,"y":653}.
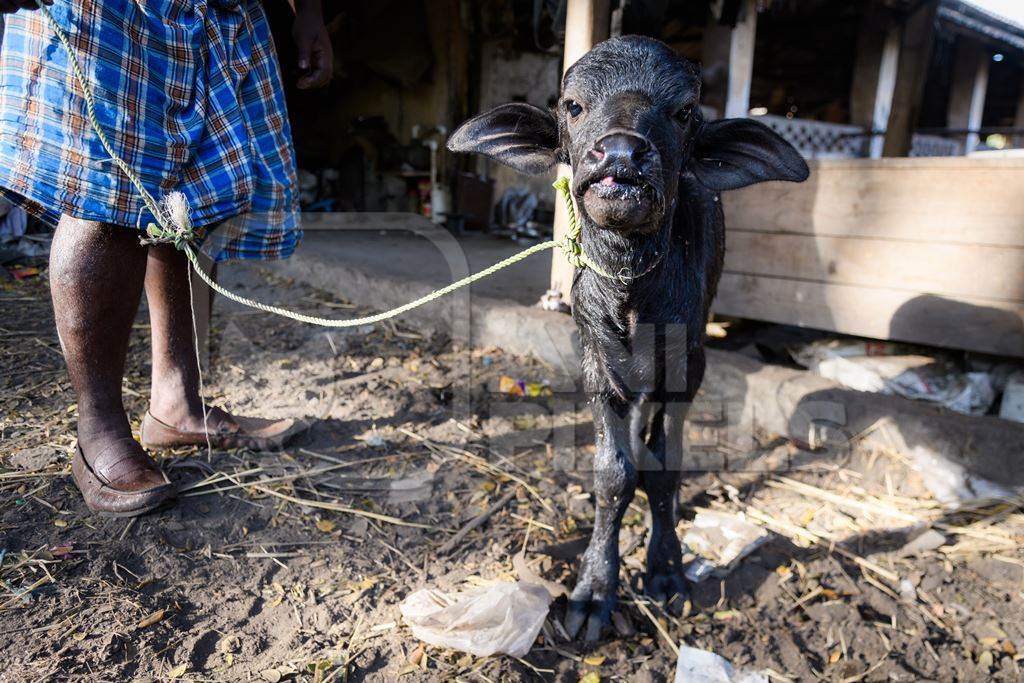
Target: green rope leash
{"x":570,"y":246}
{"x":174,"y":224}
{"x":370,"y":319}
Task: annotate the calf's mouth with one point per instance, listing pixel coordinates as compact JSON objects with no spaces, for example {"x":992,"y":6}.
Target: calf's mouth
{"x":619,"y":199}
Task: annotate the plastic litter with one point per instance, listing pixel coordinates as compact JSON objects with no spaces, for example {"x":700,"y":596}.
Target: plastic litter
{"x":999,"y":370}
{"x":721,"y":541}
{"x":527,"y":575}
{"x":952,"y":484}
{"x":552,"y":300}
{"x":504,"y":618}
{"x":872,"y":367}
{"x":929,"y":540}
{"x":13,"y":221}
{"x":517,"y":387}
{"x":413,"y":489}
{"x":23,"y":273}
{"x":1012,"y":407}
{"x":375,"y":440}
{"x":701,"y":666}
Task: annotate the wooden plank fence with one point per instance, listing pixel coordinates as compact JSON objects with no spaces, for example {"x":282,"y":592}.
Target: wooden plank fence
{"x":926,"y":250}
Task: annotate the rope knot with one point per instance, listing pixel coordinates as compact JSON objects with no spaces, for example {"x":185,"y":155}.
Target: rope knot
{"x":174,"y":223}
{"x":572,"y":245}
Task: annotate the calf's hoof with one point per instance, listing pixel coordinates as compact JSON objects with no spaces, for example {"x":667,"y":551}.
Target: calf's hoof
{"x":591,"y":603}
{"x":667,"y":586}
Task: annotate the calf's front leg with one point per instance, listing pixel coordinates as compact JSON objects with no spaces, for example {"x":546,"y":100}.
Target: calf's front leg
{"x":615,"y":479}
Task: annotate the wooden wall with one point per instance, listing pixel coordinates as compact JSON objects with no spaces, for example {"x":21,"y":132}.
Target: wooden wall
{"x":918,"y":250}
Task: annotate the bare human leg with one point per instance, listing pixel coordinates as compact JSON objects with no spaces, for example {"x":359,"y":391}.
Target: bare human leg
{"x":176,"y":409}
{"x":175,"y":396}
{"x":96,"y":276}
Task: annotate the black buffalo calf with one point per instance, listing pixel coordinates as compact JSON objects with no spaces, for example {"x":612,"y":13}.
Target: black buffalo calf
{"x":647,"y":173}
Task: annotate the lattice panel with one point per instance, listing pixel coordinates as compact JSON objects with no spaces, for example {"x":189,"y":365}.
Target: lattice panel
{"x":935,"y":146}
{"x":817,"y":140}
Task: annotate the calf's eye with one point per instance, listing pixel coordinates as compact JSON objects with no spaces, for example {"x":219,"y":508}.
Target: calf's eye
{"x":574,"y":108}
{"x":683,"y":115}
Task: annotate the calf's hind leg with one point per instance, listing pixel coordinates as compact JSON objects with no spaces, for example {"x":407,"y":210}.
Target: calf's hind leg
{"x":660,"y":475}
{"x":615,"y":478}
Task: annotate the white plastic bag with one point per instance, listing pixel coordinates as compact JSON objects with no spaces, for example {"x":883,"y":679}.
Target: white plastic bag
{"x":701,"y":666}
{"x":865,"y":367}
{"x":1012,"y":407}
{"x":721,"y":540}
{"x":504,"y":618}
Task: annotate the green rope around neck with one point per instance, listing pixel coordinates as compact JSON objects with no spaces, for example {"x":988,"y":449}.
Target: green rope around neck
{"x":572,"y":245}
{"x":174,"y":224}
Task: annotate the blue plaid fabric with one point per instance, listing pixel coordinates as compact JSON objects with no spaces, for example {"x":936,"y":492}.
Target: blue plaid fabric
{"x":190,"y":94}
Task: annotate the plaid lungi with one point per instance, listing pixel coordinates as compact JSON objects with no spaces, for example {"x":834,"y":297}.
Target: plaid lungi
{"x":190,"y":95}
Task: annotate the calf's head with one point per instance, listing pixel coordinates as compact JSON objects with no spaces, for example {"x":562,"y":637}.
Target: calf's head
{"x":629,"y":122}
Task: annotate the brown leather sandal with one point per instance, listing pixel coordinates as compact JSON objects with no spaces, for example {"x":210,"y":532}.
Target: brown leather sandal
{"x":121,"y":480}
{"x":226,"y":432}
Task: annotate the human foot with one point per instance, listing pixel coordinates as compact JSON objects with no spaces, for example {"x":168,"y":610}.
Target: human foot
{"x":225,"y":431}
{"x":117,"y":478}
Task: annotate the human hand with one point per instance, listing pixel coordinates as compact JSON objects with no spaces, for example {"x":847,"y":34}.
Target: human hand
{"x":316,"y":58}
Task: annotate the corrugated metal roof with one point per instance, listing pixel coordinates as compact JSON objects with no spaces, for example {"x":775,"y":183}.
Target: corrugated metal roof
{"x":1002,"y":10}
{"x":983,"y":21}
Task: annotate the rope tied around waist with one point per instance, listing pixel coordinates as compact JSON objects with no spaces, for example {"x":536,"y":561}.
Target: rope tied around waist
{"x":175,"y":224}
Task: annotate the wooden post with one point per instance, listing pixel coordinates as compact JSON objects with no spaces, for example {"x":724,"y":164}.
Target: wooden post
{"x":914,"y":58}
{"x":741,"y":62}
{"x":586,"y":23}
{"x":1018,"y":121}
{"x":886,"y":91}
{"x":874,"y":78}
{"x":729,"y":61}
{"x":968,"y":90}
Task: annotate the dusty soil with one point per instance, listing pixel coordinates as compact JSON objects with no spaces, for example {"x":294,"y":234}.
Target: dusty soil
{"x":259,"y":574}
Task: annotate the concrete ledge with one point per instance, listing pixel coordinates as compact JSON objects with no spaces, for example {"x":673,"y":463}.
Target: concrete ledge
{"x":960,"y":457}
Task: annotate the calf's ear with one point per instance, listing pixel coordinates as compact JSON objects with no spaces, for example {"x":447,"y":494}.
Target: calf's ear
{"x":734,"y":153}
{"x":518,"y":135}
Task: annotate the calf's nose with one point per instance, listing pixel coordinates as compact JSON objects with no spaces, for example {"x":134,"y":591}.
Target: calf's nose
{"x":621,"y":146}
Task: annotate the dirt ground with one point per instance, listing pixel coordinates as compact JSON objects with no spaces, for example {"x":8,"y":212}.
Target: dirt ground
{"x":291,"y":566}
